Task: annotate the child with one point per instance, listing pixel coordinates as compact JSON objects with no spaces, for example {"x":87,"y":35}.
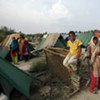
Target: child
{"x":74,"y":54}
{"x":13,"y":49}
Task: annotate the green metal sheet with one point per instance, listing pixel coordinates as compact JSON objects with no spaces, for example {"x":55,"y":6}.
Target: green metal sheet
{"x":16,"y":77}
{"x":3,"y":52}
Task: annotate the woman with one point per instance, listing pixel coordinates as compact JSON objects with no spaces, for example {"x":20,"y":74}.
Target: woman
{"x":94,"y":53}
{"x":22,"y":47}
{"x":14,"y":50}
{"x":24,"y":52}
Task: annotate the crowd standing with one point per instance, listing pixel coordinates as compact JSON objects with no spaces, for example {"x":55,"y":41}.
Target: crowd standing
{"x":19,"y":49}
{"x":73,"y":57}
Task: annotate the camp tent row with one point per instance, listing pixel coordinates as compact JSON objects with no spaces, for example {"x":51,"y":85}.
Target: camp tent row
{"x":56,"y":40}
{"x":52,"y":40}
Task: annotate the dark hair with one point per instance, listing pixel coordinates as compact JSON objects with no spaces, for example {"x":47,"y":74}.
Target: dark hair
{"x":95,"y":38}
{"x":21,"y":36}
{"x":72,"y":32}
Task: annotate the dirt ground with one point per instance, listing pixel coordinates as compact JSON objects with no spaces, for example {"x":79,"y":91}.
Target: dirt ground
{"x":86,"y":95}
{"x":81,"y":95}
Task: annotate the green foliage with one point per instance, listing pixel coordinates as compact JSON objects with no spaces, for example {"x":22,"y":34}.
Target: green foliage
{"x":4,"y":31}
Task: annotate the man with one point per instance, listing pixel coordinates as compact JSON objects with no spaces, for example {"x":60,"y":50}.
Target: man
{"x":74,"y":54}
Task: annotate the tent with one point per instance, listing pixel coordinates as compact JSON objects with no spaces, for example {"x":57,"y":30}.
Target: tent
{"x":85,"y":37}
{"x":6,"y":42}
{"x":52,"y":40}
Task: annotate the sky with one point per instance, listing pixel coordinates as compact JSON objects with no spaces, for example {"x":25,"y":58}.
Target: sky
{"x":38,"y":16}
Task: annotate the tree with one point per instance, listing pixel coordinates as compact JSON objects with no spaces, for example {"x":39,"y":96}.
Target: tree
{"x":6,"y":30}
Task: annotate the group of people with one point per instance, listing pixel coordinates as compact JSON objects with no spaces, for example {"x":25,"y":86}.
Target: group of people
{"x":19,"y":49}
{"x":73,"y":57}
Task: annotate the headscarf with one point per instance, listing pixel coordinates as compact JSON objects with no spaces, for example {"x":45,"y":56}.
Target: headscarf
{"x":94,"y":49}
